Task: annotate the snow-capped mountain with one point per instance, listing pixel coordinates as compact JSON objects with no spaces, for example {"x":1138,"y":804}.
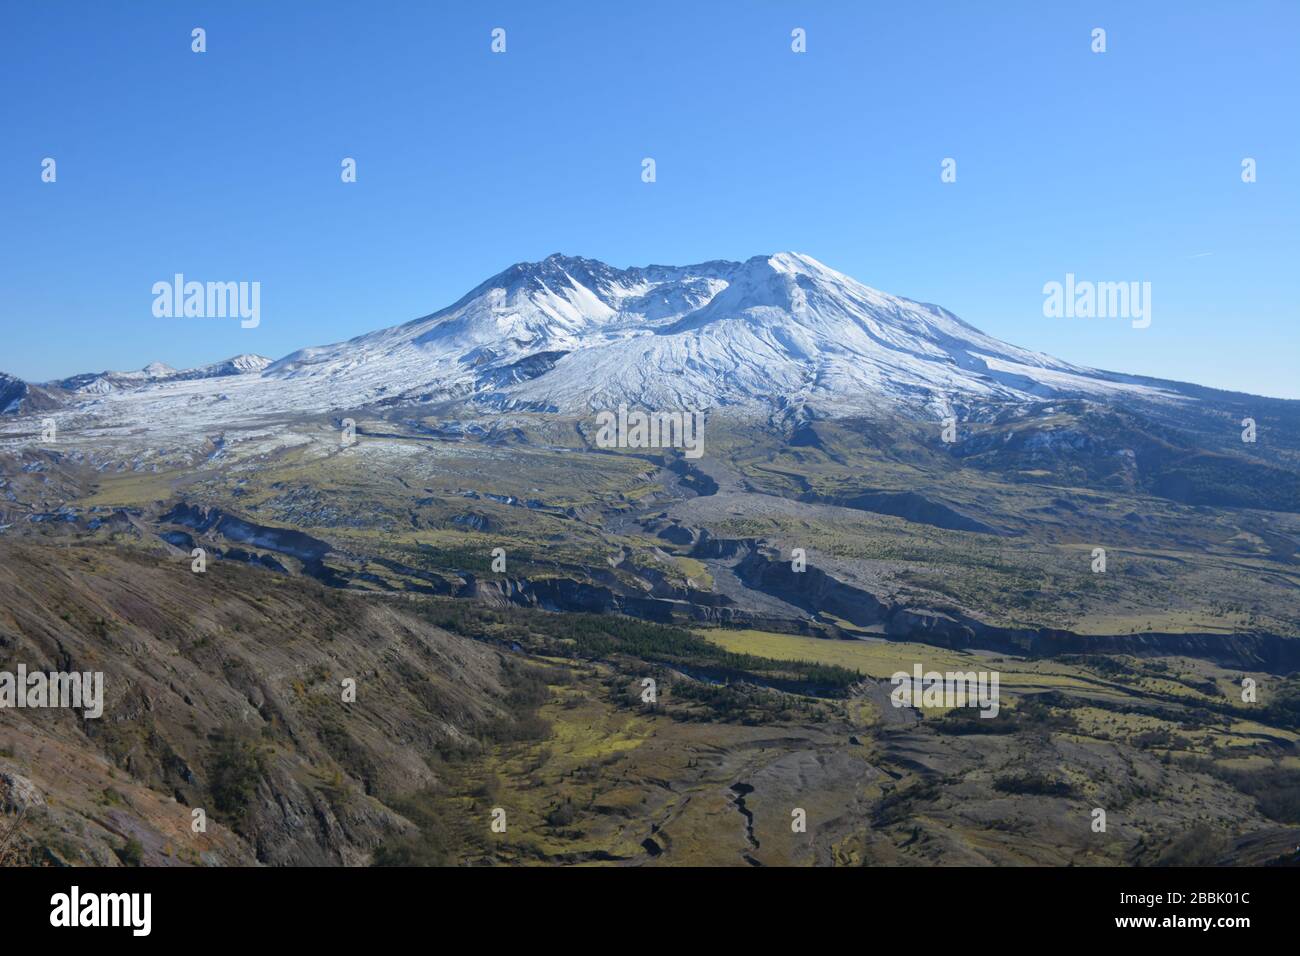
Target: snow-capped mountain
{"x":18,"y":397}
{"x":572,"y":334}
{"x":98,"y":383}
{"x":12,"y":393}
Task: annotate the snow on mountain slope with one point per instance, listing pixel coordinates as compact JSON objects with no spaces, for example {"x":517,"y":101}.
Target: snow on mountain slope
{"x":239,"y":365}
{"x":571,"y":334}
{"x":12,"y":393}
{"x":575,"y":335}
{"x":100,"y":383}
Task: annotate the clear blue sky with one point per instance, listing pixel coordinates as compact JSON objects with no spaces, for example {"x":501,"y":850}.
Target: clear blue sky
{"x":225,"y":165}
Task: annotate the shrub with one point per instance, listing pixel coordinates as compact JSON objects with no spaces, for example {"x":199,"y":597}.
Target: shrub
{"x":237,"y":769}
{"x":131,"y":853}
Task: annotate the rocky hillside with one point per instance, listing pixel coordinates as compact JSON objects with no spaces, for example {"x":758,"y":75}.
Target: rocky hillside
{"x":223,"y":692}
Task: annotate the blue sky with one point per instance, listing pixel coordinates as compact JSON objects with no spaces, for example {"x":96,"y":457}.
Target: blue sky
{"x":1122,"y":166}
